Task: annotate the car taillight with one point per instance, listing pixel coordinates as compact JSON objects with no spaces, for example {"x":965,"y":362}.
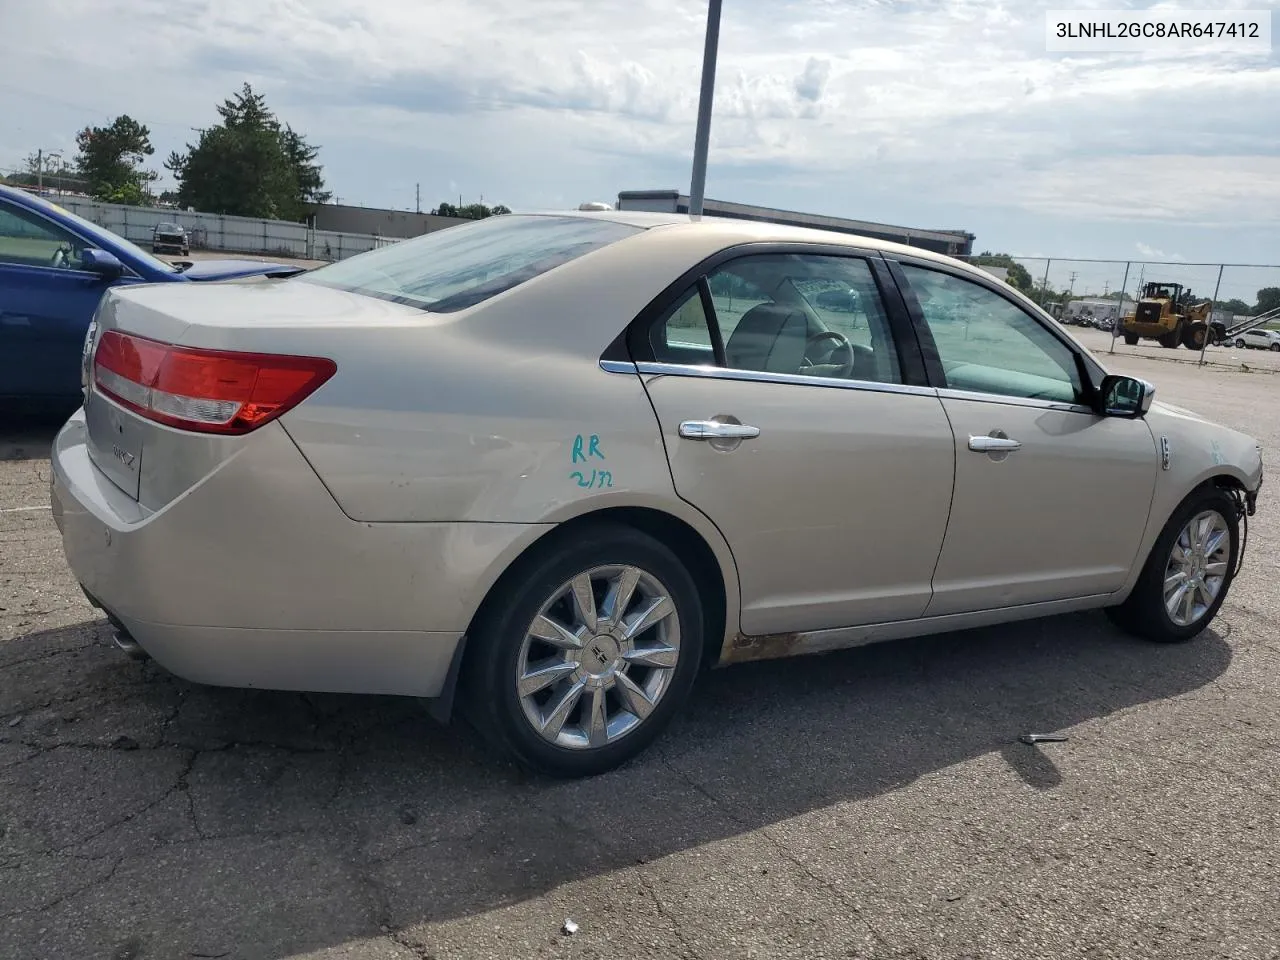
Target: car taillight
{"x":208,"y":391}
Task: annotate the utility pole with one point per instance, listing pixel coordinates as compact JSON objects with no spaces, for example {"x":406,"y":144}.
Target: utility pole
{"x":39,"y":170}
{"x":702,"y":136}
{"x":417,"y":197}
{"x":1071,"y":288}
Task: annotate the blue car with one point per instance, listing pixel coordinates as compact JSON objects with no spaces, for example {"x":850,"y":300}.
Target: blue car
{"x":54,"y":269}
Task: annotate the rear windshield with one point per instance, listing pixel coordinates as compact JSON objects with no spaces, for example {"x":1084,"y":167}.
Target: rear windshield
{"x":458,"y":267}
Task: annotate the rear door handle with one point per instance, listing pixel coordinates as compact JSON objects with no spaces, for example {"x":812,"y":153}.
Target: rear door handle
{"x":993,"y":444}
{"x":715,"y":430}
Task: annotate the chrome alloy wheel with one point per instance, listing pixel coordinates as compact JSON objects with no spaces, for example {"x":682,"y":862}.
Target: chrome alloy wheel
{"x":1197,"y":567}
{"x":598,"y":657}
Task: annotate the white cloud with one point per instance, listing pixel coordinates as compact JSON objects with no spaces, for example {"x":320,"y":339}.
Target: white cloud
{"x":948,"y":107}
{"x":1148,"y":252}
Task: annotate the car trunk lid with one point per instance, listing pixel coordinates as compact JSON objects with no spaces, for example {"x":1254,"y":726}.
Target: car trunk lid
{"x":179,"y":377}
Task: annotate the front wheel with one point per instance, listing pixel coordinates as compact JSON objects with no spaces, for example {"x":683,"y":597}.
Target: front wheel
{"x":591,"y":652}
{"x":1275,"y":348}
{"x":1187,"y":576}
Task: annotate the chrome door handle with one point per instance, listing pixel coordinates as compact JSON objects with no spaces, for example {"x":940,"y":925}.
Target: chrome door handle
{"x":993,"y":444}
{"x":715,"y":430}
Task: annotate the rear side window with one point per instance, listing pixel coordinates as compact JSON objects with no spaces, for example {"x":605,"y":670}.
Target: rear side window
{"x":797,"y":314}
{"x":458,"y":267}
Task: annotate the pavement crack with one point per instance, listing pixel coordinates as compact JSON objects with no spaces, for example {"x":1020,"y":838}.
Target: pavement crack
{"x":785,"y":853}
{"x":70,"y":894}
{"x":647,"y":883}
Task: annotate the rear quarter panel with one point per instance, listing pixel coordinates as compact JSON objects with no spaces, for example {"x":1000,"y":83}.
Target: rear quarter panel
{"x":500,"y":413}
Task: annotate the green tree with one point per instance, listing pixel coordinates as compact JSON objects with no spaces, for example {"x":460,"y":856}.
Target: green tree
{"x":249,"y":165}
{"x":302,"y":156}
{"x":1019,"y":278}
{"x":1268,"y":299}
{"x":472,"y":211}
{"x":1237,"y":307}
{"x":110,"y":160}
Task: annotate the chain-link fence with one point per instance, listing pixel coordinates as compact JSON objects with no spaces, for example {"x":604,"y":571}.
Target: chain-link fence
{"x":211,"y":231}
{"x":1212,"y":307}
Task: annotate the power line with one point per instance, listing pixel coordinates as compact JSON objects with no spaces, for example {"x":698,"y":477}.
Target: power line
{"x":85,"y":108}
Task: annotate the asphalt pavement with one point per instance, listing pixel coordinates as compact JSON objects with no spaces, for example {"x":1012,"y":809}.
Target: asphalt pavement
{"x":875,"y":803}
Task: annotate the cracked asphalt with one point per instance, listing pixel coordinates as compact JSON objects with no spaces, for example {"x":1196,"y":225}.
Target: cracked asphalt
{"x":874,"y":803}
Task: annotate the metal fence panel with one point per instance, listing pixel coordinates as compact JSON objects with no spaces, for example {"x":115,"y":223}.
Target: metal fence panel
{"x":212,"y":231}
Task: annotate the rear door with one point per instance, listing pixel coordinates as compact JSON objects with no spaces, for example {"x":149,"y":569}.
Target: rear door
{"x":806,"y":433}
{"x":46,"y":303}
{"x":1027,"y":522}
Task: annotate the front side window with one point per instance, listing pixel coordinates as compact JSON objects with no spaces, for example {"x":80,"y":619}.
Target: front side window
{"x":989,"y":345}
{"x":794,"y":314}
{"x":458,"y":267}
{"x":31,"y":241}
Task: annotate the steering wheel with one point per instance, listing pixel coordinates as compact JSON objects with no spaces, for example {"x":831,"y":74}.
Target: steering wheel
{"x":841,"y":343}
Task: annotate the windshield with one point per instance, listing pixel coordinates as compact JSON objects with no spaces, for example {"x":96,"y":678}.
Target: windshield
{"x":458,"y":267}
{"x":92,"y":231}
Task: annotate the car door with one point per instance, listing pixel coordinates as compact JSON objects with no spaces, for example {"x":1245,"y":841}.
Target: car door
{"x":1027,"y":524}
{"x":46,"y":303}
{"x":807,"y":434}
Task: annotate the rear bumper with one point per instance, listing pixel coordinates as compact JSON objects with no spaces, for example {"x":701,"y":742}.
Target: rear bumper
{"x":254,"y":578}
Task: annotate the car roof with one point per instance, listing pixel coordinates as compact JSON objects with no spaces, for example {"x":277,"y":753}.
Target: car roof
{"x":734,"y":231}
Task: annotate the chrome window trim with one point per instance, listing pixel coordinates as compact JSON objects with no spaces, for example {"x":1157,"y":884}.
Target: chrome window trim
{"x":618,"y":366}
{"x":709,"y":372}
{"x":655,"y":368}
{"x":951,"y":393}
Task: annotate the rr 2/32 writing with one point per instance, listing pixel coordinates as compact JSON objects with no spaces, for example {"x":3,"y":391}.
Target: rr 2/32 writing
{"x":584,"y":451}
{"x":598,"y":478}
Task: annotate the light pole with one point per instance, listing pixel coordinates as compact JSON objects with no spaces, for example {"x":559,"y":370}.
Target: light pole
{"x":702,"y":137}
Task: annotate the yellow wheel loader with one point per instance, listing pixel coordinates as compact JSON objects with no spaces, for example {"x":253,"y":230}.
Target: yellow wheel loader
{"x":1166,"y":315}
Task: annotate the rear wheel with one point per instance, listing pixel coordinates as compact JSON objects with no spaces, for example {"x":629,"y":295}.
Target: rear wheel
{"x":1187,"y":576}
{"x":1131,"y":339}
{"x":1169,"y":341}
{"x":1194,"y":336}
{"x":592,"y":651}
{"x":1239,"y":343}
{"x":1275,"y":347}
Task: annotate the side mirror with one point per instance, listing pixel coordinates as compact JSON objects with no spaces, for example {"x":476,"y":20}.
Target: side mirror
{"x":1126,"y":396}
{"x":93,"y":260}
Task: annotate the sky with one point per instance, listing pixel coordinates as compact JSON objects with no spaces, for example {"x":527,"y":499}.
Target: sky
{"x":924,"y":113}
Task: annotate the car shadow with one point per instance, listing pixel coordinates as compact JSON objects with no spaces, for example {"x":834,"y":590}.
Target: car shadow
{"x":391,"y":821}
{"x":27,"y":429}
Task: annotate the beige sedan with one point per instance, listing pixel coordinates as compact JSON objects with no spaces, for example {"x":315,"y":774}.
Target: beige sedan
{"x":544,"y":469}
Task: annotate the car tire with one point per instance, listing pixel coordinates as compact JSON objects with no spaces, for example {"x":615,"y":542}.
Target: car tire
{"x":1239,"y":343}
{"x":1131,"y":339}
{"x":610,"y":672}
{"x":1275,"y":348}
{"x":1146,"y":611}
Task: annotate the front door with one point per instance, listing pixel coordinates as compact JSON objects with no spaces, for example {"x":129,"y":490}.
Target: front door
{"x":787,"y":421}
{"x":1051,"y":500}
{"x":46,"y":303}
